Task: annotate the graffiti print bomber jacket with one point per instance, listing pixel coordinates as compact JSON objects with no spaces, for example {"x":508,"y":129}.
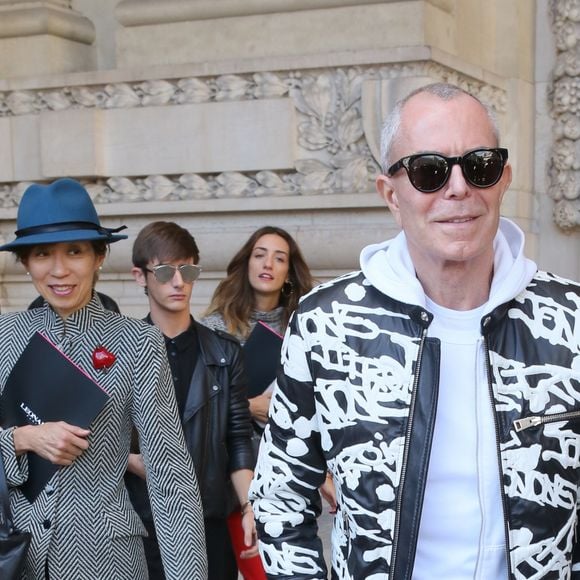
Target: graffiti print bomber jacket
{"x":357,"y":396}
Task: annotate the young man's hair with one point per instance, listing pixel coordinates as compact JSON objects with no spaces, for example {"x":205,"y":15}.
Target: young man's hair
{"x":164,"y":242}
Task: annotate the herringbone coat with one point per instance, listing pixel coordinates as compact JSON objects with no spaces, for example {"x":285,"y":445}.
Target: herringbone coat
{"x":83,"y":523}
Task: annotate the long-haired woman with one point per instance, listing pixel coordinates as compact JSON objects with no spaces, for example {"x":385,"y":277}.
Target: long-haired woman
{"x":263,"y":283}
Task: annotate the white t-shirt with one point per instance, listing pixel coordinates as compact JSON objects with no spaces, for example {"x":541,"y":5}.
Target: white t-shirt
{"x":462,"y":532}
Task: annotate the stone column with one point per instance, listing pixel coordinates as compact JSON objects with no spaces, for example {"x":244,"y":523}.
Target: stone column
{"x":43,"y":37}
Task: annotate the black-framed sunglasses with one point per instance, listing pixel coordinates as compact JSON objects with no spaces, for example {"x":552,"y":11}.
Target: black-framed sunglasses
{"x":164,"y":272}
{"x":429,"y":172}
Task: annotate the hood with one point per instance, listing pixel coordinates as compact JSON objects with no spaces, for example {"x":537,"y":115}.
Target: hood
{"x":388,"y":267}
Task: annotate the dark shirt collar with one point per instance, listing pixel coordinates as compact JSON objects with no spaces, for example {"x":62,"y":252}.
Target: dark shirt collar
{"x":184,"y":340}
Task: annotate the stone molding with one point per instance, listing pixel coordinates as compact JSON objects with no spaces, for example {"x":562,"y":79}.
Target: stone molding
{"x":147,"y":12}
{"x":335,"y":153}
{"x":564,"y":100}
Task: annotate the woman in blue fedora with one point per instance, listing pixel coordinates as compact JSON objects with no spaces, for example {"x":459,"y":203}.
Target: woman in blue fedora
{"x":82,"y":523}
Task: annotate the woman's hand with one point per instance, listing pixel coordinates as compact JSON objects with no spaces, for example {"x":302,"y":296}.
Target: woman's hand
{"x":241,"y":480}
{"x":250,"y":534}
{"x":259,"y":406}
{"x":136,"y":465}
{"x":328,"y":492}
{"x":58,"y":442}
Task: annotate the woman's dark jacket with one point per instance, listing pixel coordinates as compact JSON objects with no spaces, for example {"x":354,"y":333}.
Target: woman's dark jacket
{"x":216,"y":424}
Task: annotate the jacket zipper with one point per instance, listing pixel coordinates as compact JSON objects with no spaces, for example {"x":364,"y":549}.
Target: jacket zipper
{"x":406,"y":455}
{"x":537,"y":420}
{"x":202,"y":469}
{"x":500,"y":470}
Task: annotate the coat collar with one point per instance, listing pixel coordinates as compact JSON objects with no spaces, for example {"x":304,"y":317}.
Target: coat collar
{"x":89,"y":318}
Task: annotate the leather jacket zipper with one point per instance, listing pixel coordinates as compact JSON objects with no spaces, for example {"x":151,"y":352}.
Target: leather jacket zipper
{"x":500,"y":471}
{"x":537,"y":420}
{"x":406,"y":455}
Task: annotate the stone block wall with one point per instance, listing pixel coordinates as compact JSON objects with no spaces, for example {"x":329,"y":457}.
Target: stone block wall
{"x":226,"y":115}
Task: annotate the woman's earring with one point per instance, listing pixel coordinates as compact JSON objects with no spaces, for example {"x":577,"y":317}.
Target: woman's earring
{"x":287,"y":289}
{"x":146,"y":291}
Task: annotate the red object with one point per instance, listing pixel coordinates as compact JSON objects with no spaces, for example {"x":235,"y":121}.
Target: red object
{"x":250,"y":568}
{"x":102,"y":358}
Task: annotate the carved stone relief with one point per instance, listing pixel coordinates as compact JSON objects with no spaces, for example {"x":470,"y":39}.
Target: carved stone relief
{"x":337,"y":155}
{"x":564,"y":98}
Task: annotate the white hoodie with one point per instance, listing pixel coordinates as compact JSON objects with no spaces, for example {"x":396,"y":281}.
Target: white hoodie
{"x":461,"y":535}
{"x":389,"y":268}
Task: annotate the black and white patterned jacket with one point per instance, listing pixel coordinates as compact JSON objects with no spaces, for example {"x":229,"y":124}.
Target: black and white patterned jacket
{"x":357,"y":395}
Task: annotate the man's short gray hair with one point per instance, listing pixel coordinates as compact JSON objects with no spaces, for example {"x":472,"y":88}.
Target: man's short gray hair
{"x":392,"y":124}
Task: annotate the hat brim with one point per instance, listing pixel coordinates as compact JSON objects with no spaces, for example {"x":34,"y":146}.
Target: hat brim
{"x":64,"y":236}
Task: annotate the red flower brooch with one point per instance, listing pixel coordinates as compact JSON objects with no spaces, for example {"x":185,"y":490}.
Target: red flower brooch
{"x":103,"y":359}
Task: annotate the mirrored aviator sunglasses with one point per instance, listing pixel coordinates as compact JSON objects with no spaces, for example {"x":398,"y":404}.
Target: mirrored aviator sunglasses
{"x":165,"y":272}
{"x":429,"y":172}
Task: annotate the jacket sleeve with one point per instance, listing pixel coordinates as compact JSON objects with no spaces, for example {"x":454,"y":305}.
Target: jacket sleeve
{"x":16,"y":467}
{"x":239,"y":433}
{"x":290,"y":469}
{"x":171,"y":480}
{"x":576,"y":551}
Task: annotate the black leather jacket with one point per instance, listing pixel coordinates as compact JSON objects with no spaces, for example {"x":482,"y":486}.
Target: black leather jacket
{"x":216,"y":424}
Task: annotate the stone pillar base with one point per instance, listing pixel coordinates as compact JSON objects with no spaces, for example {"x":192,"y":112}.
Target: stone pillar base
{"x":41,"y":38}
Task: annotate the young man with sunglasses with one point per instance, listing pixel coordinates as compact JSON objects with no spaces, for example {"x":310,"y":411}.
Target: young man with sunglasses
{"x":210,"y":388}
{"x":440,"y":385}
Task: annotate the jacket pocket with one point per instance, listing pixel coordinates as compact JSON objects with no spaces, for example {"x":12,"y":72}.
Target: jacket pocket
{"x":123,"y":523}
{"x":539,"y":420}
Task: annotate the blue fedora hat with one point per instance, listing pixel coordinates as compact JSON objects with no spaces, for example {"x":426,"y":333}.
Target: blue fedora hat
{"x":60,"y":212}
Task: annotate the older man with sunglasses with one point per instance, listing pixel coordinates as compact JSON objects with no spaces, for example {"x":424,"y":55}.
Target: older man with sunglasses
{"x":210,"y":388}
{"x":439,"y":385}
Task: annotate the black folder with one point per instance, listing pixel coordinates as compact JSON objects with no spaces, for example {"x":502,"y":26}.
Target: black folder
{"x":261,"y":353}
{"x":43,"y":386}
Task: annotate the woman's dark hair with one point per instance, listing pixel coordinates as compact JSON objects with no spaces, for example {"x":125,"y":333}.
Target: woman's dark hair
{"x":23,"y":252}
{"x":234,"y":295}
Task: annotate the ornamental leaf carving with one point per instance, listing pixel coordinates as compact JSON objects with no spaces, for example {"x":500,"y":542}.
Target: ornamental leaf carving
{"x":312,"y":166}
{"x":318,"y":97}
{"x":269,"y":85}
{"x":349,"y":128}
{"x":126,"y":188}
{"x":156,"y":92}
{"x":333,"y":154}
{"x":21,"y":102}
{"x":194,"y":186}
{"x":231,"y":88}
{"x":55,"y":100}
{"x":234,"y":184}
{"x":274,"y":184}
{"x":567,"y":126}
{"x":312,"y":135}
{"x":193,"y":91}
{"x":564,"y":155}
{"x":157,"y":187}
{"x":564,"y":99}
{"x":318,"y":182}
{"x":568,"y":63}
{"x":353,"y":176}
{"x":120,"y":96}
{"x":87,"y":98}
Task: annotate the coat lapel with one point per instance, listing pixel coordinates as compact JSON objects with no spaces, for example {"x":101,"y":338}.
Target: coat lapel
{"x":203,"y":385}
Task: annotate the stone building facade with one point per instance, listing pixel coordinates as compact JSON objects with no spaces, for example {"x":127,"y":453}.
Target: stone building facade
{"x":226,"y":115}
